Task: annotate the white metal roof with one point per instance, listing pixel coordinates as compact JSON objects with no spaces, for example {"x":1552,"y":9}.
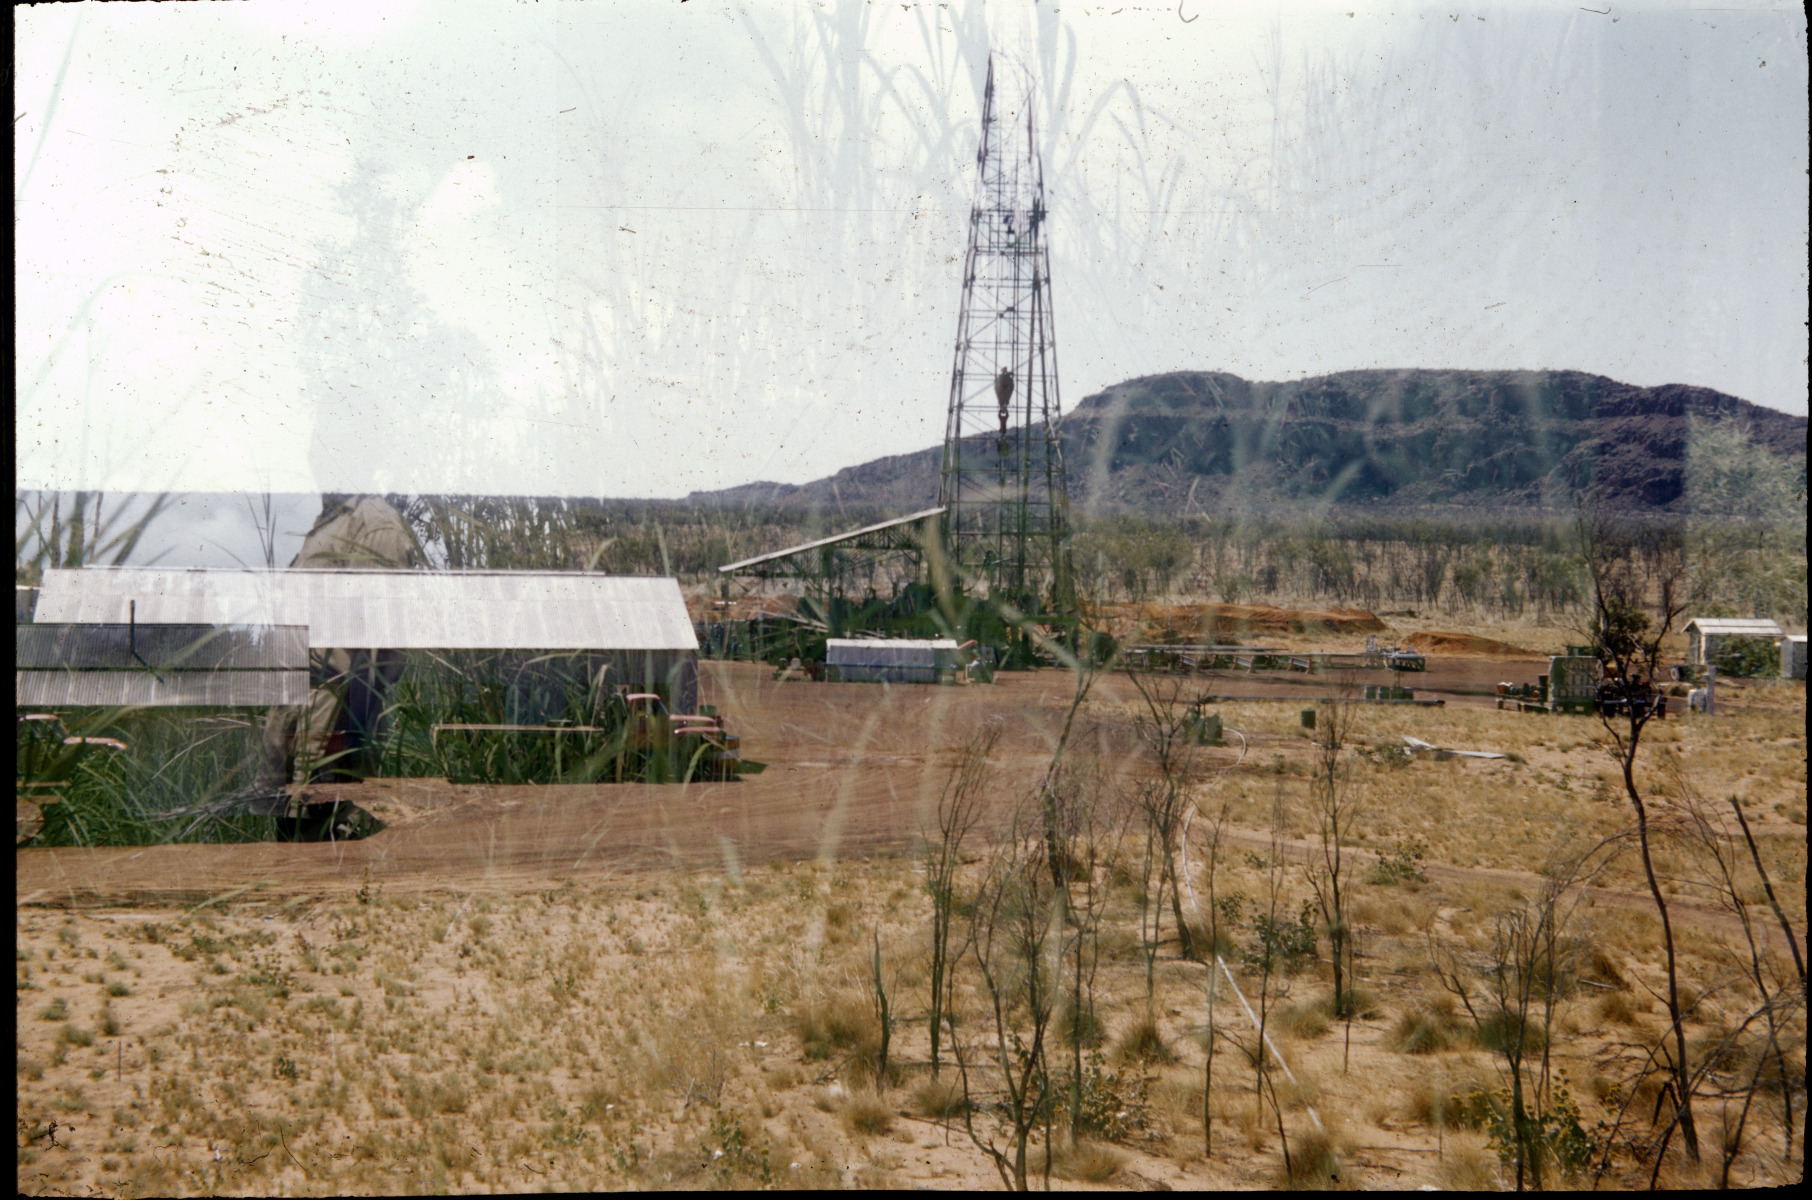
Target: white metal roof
{"x":167,"y":689}
{"x":880,"y":527}
{"x":891,"y":643}
{"x":141,"y":647}
{"x":1736,"y":626}
{"x":401,"y":610}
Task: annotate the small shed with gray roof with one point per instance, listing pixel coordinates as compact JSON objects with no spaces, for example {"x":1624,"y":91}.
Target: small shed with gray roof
{"x":1703,"y":634}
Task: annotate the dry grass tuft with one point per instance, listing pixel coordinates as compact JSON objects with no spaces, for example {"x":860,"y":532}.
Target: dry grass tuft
{"x":1315,"y":1163}
{"x":1083,"y":1023}
{"x":1496,"y":1031}
{"x":1142,"y":1043}
{"x":1087,"y":1161}
{"x":1304,"y":1021}
{"x":1600,"y":967}
{"x":1095,"y":1162}
{"x":942,"y":1098}
{"x":1430,"y":1029}
{"x":864,"y":1112}
{"x":1468,"y":1165}
{"x":1619,"y":1008}
{"x":839,"y":1022}
{"x":1179,"y":1099}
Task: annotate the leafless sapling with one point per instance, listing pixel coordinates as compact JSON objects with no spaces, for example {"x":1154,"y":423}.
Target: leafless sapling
{"x":958,"y":810}
{"x":1164,"y":727}
{"x":1638,"y":591}
{"x":1336,"y":808}
{"x":1011,"y":939}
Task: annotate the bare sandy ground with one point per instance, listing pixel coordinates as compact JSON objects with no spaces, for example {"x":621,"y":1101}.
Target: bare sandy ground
{"x":853,"y":770}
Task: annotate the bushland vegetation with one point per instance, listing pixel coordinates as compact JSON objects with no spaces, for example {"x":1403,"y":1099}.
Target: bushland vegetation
{"x":1744,"y":548}
{"x":1511,"y":566}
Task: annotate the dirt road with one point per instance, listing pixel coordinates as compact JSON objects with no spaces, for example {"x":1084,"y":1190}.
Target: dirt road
{"x":854,"y":770}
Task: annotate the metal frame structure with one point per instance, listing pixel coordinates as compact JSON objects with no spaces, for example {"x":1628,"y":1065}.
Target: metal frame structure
{"x":1003,"y":479}
{"x":840,"y":554}
{"x":828,"y":564}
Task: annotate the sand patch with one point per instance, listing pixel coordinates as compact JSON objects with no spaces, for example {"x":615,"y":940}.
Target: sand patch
{"x":1176,"y":623}
{"x":1464,"y":643}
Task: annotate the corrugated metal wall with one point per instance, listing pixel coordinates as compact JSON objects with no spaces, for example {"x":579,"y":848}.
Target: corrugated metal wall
{"x":399,"y":610}
{"x":175,"y":689}
{"x":90,"y":647}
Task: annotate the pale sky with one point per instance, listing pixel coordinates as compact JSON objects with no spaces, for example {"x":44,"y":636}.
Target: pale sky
{"x":640,"y":248}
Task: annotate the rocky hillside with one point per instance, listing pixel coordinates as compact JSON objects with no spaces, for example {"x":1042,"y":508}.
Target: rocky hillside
{"x":1209,"y":441}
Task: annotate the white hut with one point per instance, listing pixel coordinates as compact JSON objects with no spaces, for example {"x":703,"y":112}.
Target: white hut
{"x":1793,"y":656}
{"x":1704,"y":633}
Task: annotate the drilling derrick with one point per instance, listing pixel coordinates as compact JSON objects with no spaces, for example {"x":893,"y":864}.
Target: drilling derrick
{"x":1003,"y":485}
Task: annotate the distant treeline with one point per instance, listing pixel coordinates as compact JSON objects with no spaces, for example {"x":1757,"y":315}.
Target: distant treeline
{"x":1750,"y":560}
{"x":1509,"y":565}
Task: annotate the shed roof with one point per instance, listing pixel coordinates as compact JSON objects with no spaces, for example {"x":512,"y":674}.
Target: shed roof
{"x":1736,"y":626}
{"x":890,"y":643}
{"x":401,"y":610}
{"x":172,"y":689}
{"x":883,"y":536}
{"x":92,"y":647}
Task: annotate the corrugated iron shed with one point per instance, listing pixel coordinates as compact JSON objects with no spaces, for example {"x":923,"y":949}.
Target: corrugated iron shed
{"x":134,"y":647}
{"x":159,"y":666}
{"x":174,"y":689}
{"x":901,"y":652}
{"x":1754,"y":627}
{"x":401,"y":610}
{"x":891,"y":660}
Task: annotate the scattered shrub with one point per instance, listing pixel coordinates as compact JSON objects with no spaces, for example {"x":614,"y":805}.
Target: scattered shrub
{"x":1111,"y":1106}
{"x":1401,"y":864}
{"x":1558,"y":1136}
{"x":1286,"y":945}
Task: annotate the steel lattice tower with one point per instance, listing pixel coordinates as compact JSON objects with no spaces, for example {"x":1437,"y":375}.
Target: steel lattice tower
{"x":1003,"y":485}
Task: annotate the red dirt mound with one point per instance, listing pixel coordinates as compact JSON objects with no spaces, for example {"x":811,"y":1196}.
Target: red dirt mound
{"x":1175,"y":623}
{"x":1464,"y":643}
